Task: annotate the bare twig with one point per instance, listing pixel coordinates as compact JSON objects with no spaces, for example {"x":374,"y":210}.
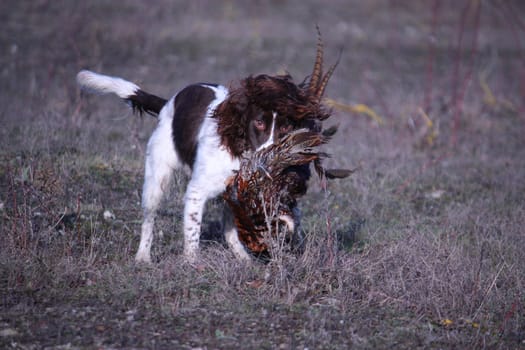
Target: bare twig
{"x":458,"y":94}
{"x":489,"y":289}
{"x":431,"y":57}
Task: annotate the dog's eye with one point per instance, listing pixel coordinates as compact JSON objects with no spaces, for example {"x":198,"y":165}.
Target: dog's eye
{"x":259,"y":124}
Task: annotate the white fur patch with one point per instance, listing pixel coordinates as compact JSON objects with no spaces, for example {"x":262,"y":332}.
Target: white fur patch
{"x":105,"y":84}
{"x":288,"y":221}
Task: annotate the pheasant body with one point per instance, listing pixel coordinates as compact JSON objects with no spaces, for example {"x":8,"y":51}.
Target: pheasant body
{"x":263,"y":193}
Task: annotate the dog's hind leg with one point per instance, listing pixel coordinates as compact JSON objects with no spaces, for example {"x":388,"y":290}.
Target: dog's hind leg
{"x":161,"y":161}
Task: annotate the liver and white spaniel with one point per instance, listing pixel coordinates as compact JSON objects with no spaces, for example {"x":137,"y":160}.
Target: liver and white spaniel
{"x":208,"y":127}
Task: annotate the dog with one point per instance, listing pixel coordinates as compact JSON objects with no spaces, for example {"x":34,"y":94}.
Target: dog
{"x":209,"y":127}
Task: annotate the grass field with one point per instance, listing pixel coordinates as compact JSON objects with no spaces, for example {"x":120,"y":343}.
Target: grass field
{"x":423,"y":247}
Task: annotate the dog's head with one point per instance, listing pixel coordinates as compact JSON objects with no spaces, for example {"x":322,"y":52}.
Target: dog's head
{"x":264,"y":108}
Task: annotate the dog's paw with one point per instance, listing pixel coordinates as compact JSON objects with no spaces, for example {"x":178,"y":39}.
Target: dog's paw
{"x":143,"y":257}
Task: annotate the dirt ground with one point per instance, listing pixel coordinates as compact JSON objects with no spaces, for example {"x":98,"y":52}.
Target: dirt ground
{"x":429,"y":97}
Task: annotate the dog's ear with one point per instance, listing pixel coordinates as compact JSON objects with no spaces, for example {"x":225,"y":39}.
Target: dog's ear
{"x":233,"y":115}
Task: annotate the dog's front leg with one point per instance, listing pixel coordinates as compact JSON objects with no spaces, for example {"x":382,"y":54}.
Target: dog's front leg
{"x":232,"y":237}
{"x":194,"y":201}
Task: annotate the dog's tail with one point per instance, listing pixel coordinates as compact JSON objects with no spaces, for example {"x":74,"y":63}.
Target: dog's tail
{"x":139,"y":100}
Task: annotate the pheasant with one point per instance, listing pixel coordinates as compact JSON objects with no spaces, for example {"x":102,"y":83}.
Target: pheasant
{"x":263,"y":193}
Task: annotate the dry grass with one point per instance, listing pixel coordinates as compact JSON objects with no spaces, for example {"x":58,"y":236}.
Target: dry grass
{"x":429,"y":231}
